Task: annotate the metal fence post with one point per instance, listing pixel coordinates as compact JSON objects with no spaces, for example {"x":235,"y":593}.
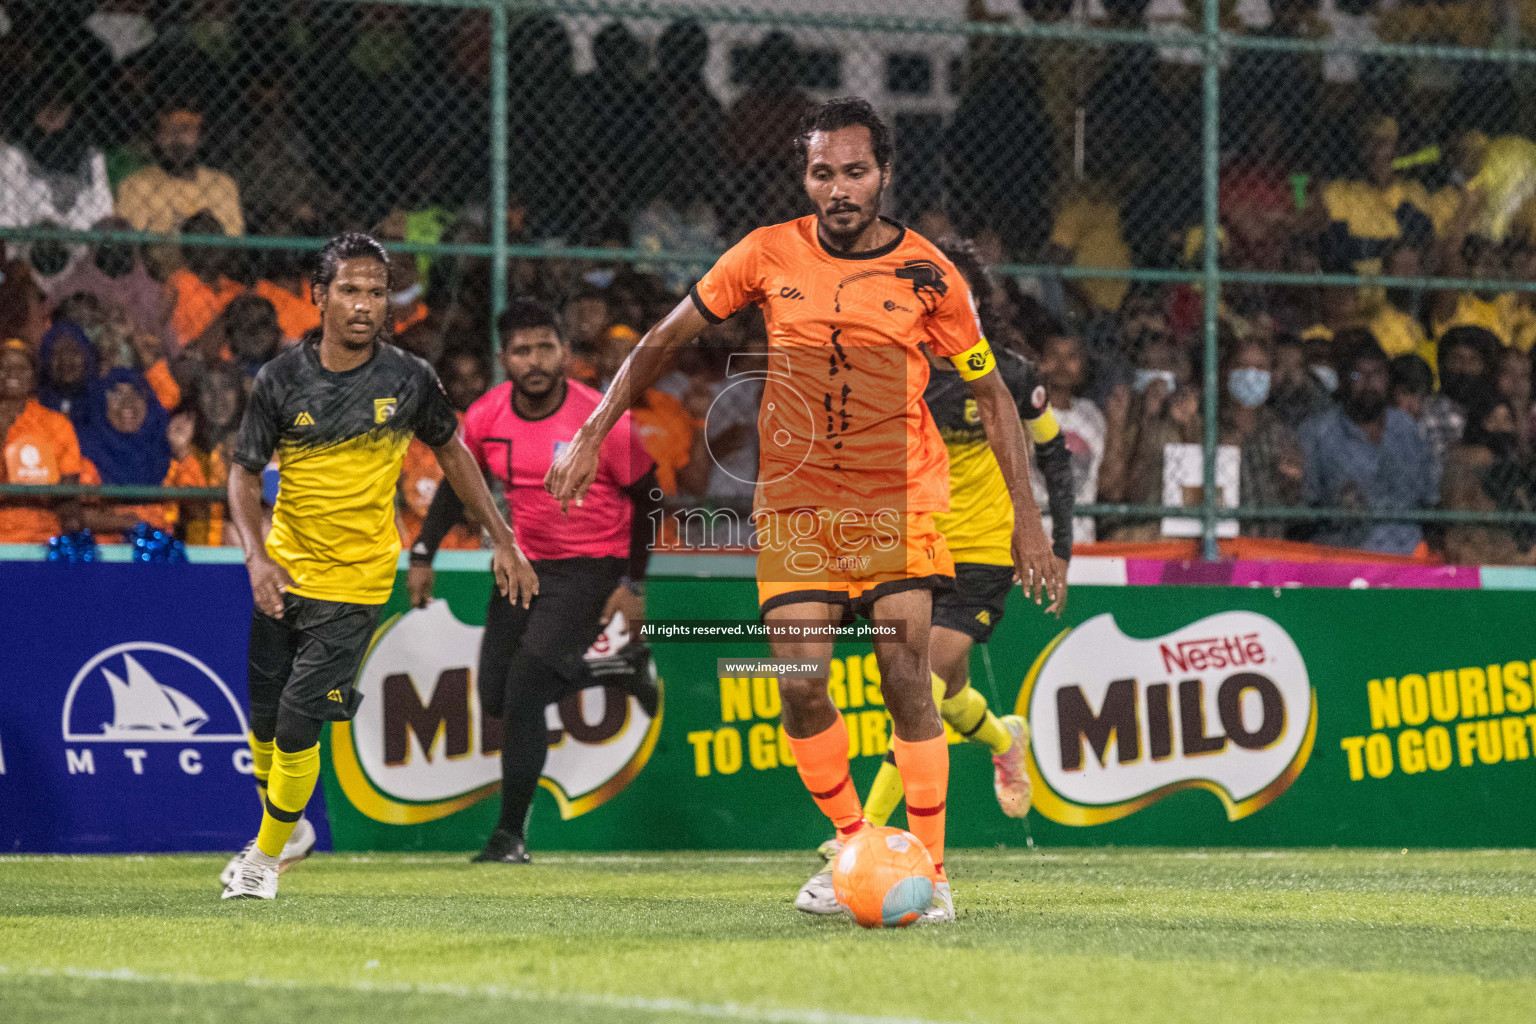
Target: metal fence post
{"x":498,"y":176}
{"x":1210,"y":142}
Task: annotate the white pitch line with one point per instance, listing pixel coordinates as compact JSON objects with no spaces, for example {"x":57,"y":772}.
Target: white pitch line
{"x":642,"y":1004}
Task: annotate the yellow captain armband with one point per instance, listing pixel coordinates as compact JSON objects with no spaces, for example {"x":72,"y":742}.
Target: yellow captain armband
{"x":1044,"y":427}
{"x":976,"y":361}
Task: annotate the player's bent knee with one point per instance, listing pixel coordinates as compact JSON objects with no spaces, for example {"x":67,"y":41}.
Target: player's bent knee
{"x":295,"y":732}
{"x":802,"y":692}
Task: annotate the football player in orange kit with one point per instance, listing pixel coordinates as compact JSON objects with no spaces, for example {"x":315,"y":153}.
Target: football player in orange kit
{"x":852,"y":467}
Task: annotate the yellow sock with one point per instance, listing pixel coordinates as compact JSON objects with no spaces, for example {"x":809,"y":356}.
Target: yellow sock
{"x":968,"y":713}
{"x":291,"y":785}
{"x":884,"y":793}
{"x":261,"y":765}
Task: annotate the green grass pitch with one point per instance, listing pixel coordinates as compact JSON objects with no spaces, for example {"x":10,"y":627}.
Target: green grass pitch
{"x":1080,"y":936}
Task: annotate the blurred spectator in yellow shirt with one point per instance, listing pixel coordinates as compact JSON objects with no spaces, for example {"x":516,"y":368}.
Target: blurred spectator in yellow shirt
{"x":161,"y":197}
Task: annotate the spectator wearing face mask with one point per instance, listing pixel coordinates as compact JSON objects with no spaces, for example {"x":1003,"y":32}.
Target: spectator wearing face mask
{"x":1466,"y":363}
{"x":1271,"y":469}
{"x":1486,"y":472}
{"x":1163,"y":409}
{"x":163,"y":196}
{"x":1363,"y":454}
{"x":40,"y":448}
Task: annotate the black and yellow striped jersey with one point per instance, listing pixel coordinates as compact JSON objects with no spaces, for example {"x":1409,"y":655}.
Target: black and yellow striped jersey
{"x":979,"y":524}
{"x":340,"y":439}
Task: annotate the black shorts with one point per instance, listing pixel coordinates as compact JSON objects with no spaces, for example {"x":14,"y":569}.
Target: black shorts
{"x":975,"y":606}
{"x":556,"y":629}
{"x":307,"y":661}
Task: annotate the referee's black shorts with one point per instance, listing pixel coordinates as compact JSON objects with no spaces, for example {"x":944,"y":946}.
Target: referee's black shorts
{"x":555,"y":629}
{"x":307,"y":661}
{"x":975,"y":605}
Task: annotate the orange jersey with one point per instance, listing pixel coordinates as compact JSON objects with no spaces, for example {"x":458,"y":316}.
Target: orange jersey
{"x":204,"y":524}
{"x":420,"y":477}
{"x":666,"y":433}
{"x":41,"y":448}
{"x":296,"y":314}
{"x":842,"y":421}
{"x":197,"y":304}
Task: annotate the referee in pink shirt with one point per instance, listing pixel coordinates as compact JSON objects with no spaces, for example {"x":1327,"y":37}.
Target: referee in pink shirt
{"x":590,"y":563}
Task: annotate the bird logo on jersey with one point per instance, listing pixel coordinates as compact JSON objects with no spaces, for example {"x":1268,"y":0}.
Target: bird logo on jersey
{"x":927,"y":279}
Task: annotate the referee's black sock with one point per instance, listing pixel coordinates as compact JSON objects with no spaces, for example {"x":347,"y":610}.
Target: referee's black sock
{"x":531,"y":684}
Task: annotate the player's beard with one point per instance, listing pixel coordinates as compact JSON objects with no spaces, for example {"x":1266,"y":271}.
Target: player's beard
{"x":843,"y":238}
{"x":546,"y":382}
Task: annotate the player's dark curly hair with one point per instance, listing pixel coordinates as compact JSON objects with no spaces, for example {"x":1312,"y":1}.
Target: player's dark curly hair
{"x":526,"y":315}
{"x":983,"y":290}
{"x":845,"y":112}
{"x":349,"y":246}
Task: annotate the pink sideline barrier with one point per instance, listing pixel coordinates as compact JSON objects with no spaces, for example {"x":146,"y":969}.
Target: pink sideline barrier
{"x":1242,"y":573}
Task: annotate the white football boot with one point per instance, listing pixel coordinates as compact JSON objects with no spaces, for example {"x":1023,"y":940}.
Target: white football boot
{"x":942,"y":909}
{"x":253,"y":881}
{"x":233,"y":867}
{"x":1009,"y":779}
{"x":299,"y":845}
{"x":817,"y":896}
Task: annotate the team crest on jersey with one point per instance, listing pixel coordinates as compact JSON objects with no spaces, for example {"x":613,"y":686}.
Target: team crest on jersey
{"x":927,"y":279}
{"x":384,"y":409}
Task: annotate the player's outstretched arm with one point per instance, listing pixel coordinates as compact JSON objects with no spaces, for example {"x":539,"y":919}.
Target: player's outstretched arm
{"x":1038,"y":569}
{"x":269,"y":581}
{"x":514,"y":576}
{"x":575,"y":468}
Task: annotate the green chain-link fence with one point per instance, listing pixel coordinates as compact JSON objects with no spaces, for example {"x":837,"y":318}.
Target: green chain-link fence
{"x":1138,"y":174}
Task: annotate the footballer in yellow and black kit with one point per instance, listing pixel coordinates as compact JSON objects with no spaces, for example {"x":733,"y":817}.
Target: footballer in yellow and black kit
{"x":340,"y":439}
{"x":978,"y":527}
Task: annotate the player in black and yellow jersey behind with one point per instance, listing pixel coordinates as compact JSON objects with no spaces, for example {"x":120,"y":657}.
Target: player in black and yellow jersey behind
{"x":977,"y":529}
{"x":338,"y":410}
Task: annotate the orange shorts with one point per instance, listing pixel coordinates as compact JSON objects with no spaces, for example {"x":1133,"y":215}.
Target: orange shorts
{"x":839,"y":556}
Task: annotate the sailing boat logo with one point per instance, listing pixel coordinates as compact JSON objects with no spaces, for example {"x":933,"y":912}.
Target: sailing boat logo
{"x":146,"y":692}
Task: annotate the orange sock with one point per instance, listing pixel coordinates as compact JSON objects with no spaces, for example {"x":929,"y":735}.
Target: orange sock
{"x":925,"y":776}
{"x":823,"y":764}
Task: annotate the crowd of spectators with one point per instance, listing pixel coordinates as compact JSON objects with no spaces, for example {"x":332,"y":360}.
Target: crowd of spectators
{"x":130,"y":364}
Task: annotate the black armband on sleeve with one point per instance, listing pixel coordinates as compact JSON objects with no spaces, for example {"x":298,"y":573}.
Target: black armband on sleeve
{"x":446,"y":512}
{"x":1056,"y":467}
{"x":646,"y":494}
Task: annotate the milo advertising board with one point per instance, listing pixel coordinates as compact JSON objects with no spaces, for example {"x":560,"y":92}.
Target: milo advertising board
{"x":1159,"y":715}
